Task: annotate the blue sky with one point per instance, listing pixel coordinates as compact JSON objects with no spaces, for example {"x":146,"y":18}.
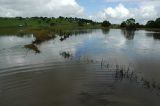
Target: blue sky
{"x":93,"y":6}
{"x":98,"y":10}
{"x":114,"y":10}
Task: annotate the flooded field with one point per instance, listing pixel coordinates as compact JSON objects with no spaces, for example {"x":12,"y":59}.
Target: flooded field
{"x":109,"y":67}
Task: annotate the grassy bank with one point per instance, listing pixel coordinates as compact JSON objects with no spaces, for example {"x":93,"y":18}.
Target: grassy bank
{"x":14,"y":25}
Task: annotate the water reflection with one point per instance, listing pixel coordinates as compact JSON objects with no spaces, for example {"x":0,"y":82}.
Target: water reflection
{"x":105,"y":31}
{"x":66,"y":55}
{"x":47,"y":78}
{"x":128,"y":34}
{"x":32,"y":47}
{"x":65,"y":35}
{"x":41,"y":36}
{"x":82,"y":32}
{"x":156,"y":36}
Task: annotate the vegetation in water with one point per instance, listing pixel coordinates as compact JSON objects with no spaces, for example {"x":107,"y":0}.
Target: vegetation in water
{"x":32,"y":47}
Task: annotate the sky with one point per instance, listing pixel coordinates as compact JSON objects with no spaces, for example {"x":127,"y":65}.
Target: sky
{"x":115,"y":11}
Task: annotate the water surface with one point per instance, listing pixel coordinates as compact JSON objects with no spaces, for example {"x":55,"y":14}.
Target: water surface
{"x":82,"y":70}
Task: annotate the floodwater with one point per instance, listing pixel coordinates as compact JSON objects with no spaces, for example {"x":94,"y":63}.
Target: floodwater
{"x":109,"y":67}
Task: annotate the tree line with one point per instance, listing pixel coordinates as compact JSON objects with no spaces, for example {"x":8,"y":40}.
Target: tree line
{"x":52,"y":21}
{"x":132,"y":24}
{"x":153,"y":24}
{"x":128,"y":24}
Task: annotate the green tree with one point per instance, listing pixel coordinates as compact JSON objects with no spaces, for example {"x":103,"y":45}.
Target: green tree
{"x":61,"y":18}
{"x":123,"y":24}
{"x":80,"y":23}
{"x":130,"y":23}
{"x":153,"y":24}
{"x":137,"y":25}
{"x":157,"y":23}
{"x":52,"y":24}
{"x":150,"y":24}
{"x":106,"y":24}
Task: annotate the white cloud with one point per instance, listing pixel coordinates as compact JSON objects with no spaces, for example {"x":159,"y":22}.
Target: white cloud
{"x":143,"y":12}
{"x":118,"y":12}
{"x":40,"y":8}
{"x":129,"y":0}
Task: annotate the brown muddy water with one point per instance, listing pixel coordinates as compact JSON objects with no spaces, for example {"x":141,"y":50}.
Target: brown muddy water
{"x":109,"y":67}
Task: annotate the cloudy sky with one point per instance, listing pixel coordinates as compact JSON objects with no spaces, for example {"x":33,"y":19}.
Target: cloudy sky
{"x":98,"y":10}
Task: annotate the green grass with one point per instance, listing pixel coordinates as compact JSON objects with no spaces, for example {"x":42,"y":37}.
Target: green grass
{"x":10,"y":26}
{"x":14,"y":22}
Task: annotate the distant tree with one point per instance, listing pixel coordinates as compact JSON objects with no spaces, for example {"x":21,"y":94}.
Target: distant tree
{"x":35,"y":18}
{"x":80,"y":23}
{"x":157,"y":23}
{"x":52,"y":17}
{"x":106,"y":24}
{"x":48,"y":20}
{"x":123,"y":24}
{"x":130,"y":23}
{"x":153,"y":24}
{"x":19,"y":18}
{"x":43,"y":18}
{"x":150,"y":24}
{"x":52,"y":24}
{"x":61,"y":18}
{"x":137,"y":25}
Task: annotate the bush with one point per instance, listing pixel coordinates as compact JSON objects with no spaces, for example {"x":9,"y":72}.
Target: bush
{"x":52,"y":24}
{"x":106,"y":24}
{"x":123,"y":24}
{"x":153,"y":24}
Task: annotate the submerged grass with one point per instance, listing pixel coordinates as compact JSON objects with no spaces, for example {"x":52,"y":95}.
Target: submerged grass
{"x":41,"y":35}
{"x":32,"y":47}
{"x":9,"y":30}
